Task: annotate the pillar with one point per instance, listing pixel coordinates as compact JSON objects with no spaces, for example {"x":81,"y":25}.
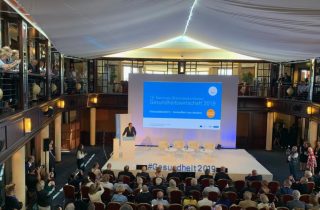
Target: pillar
{"x":313,"y":132}
{"x":92,"y":126}
{"x":313,"y":67}
{"x":57,"y":134}
{"x":270,"y":120}
{"x":19,"y":174}
{"x":44,"y":155}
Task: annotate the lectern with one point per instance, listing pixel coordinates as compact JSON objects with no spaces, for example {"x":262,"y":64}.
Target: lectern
{"x":124,"y":148}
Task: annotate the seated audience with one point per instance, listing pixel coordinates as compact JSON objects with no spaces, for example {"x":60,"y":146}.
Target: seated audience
{"x":4,"y":65}
{"x":212,"y":187}
{"x":74,"y":182}
{"x":314,"y":203}
{"x":139,"y":183}
{"x":43,"y":197}
{"x":159,"y":200}
{"x":144,"y":173}
{"x":230,"y":187}
{"x":172,"y":187}
{"x":125,"y":186}
{"x":144,"y":196}
{"x":96,"y":170}
{"x":224,"y":200}
{"x":247,"y":202}
{"x":118,"y":197}
{"x":33,"y":67}
{"x":205,"y":201}
{"x":253,"y":176}
{"x":95,"y":192}
{"x":264,"y":187}
{"x":194,"y":186}
{"x":222,"y":174}
{"x":286,"y":188}
{"x":158,"y":185}
{"x":159,"y":173}
{"x":86,"y":182}
{"x":174,"y":173}
{"x":308,"y":175}
{"x":105,"y":182}
{"x":301,"y":186}
{"x":126,"y":172}
{"x":109,"y":171}
{"x":11,"y":201}
{"x":206,"y":175}
{"x":160,"y":207}
{"x":296,"y":203}
{"x":126,"y":207}
{"x":265,"y":203}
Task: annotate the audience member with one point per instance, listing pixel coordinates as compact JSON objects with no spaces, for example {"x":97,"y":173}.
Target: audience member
{"x":229,"y":187}
{"x":301,"y":186}
{"x":159,"y":200}
{"x":144,"y":174}
{"x":247,"y":202}
{"x":222,"y":174}
{"x":194,"y":186}
{"x":118,"y":196}
{"x":96,"y":170}
{"x":144,"y":196}
{"x":205,"y":201}
{"x":253,"y":176}
{"x":29,"y":166}
{"x":4,"y":65}
{"x":312,"y":161}
{"x":95,"y":192}
{"x":314,"y":203}
{"x":126,"y":207}
{"x":212,"y":187}
{"x":308,"y":175}
{"x":293,"y":161}
{"x":43,"y":197}
{"x":33,"y":67}
{"x":172,"y":186}
{"x":109,"y":171}
{"x":264,"y":203}
{"x":138,"y":184}
{"x":11,"y":201}
{"x":125,"y":186}
{"x":158,"y":173}
{"x":80,"y":157}
{"x":224,"y":200}
{"x":206,"y":175}
{"x":174,"y":173}
{"x":105,"y":182}
{"x":264,"y":187}
{"x":286,"y":188}
{"x":158,"y":185}
{"x":296,"y":203}
{"x":126,"y":172}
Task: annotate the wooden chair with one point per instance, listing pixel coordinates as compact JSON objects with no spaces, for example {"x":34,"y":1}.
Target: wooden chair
{"x":136,"y":192}
{"x":175,"y":196}
{"x":205,"y":208}
{"x":113,"y":206}
{"x":224,"y":207}
{"x":213,"y":196}
{"x":178,"y":144}
{"x":69,"y":192}
{"x":305,"y":198}
{"x":235,"y":207}
{"x":195,"y":194}
{"x":85,"y":193}
{"x":285,"y":198}
{"x":222,"y":183}
{"x":133,"y":205}
{"x":233,"y":197}
{"x":274,"y":186}
{"x":239,"y":185}
{"x":271,"y":197}
{"x":155,"y":192}
{"x":98,"y":206}
{"x":92,"y":176}
{"x":126,"y":179}
{"x":205,"y":182}
{"x":256,"y":185}
{"x":251,"y":208}
{"x":175,"y":206}
{"x":209,"y":146}
{"x":311,"y":186}
{"x":282,"y":208}
{"x":106,"y":195}
{"x":145,"y":205}
{"x":188,"y":181}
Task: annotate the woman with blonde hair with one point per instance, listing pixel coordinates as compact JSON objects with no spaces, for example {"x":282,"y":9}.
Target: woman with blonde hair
{"x":265,"y":203}
{"x":95,"y":192}
{"x":11,"y":201}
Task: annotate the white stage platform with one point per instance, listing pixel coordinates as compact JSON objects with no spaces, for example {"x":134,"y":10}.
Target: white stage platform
{"x":238,"y":161}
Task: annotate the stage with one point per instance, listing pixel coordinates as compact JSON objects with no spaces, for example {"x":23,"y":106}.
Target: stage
{"x":238,"y":161}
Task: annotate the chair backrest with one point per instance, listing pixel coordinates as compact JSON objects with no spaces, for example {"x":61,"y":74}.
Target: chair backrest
{"x":305,"y":198}
{"x":205,"y":182}
{"x":239,"y":185}
{"x":213,"y":196}
{"x":285,"y":198}
{"x":92,"y":176}
{"x":256,"y":185}
{"x":85,"y":192}
{"x":209,"y":146}
{"x":310,"y":186}
{"x":155,"y":192}
{"x":126,"y":179}
{"x":113,"y":206}
{"x":274,"y":186}
{"x":224,"y":207}
{"x":178,"y":144}
{"x":205,"y":208}
{"x":282,"y":208}
{"x":106,"y":195}
{"x":235,"y":207}
{"x":196,"y":194}
{"x":271,"y":197}
{"x":146,"y":205}
{"x":175,"y":196}
{"x":133,"y":205}
{"x":188,"y":181}
{"x":233,"y":197}
{"x":175,"y":206}
{"x":193,"y":145}
{"x":222,"y":183}
{"x":136,"y":192}
{"x":69,"y":192}
{"x":98,"y":206}
{"x":176,"y":179}
{"x":251,"y":208}
{"x":163,"y":144}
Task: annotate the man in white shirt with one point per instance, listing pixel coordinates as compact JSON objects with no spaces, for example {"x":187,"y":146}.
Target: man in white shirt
{"x":205,"y":201}
{"x":159,"y":200}
{"x":212,"y":188}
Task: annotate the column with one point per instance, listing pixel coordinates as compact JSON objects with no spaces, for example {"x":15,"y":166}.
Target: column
{"x":270,"y":120}
{"x":313,"y":131}
{"x":312,"y":77}
{"x":57,"y":134}
{"x":44,"y":134}
{"x":92,"y":126}
{"x":19,"y":174}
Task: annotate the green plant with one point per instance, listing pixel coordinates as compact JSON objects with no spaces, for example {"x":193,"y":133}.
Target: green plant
{"x":247,"y":77}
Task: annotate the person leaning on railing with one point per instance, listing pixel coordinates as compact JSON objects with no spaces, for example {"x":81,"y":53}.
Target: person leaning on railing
{"x":4,"y":66}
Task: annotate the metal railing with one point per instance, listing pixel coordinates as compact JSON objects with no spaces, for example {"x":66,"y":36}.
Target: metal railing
{"x":9,"y":85}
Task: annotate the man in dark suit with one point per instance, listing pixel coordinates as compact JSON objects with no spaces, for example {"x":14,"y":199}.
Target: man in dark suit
{"x":144,"y":174}
{"x":222,"y":174}
{"x":174,"y":173}
{"x":296,"y":203}
{"x":126,"y":172}
{"x":109,"y":171}
{"x":129,"y":131}
{"x":206,"y":175}
{"x":253,"y":176}
{"x":145,"y":196}
{"x":29,"y":166}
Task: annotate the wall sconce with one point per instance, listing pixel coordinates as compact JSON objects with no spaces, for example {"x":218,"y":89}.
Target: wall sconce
{"x":269,"y":104}
{"x":27,"y":125}
{"x":309,"y":110}
{"x":94,"y":100}
{"x":60,"y":104}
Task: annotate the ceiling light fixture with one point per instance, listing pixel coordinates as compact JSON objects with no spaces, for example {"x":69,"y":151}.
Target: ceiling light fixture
{"x":190,"y":15}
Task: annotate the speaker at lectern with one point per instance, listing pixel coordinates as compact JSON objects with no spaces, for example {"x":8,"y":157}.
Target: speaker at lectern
{"x":128,"y":138}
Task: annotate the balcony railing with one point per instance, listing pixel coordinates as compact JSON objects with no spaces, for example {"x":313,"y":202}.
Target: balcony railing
{"x":9,"y":85}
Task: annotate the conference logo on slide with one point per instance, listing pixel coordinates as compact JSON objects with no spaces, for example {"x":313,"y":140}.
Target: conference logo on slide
{"x":213,"y":91}
{"x":211,"y":113}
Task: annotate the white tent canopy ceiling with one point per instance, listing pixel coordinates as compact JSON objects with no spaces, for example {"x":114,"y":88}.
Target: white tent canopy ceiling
{"x":272,"y":30}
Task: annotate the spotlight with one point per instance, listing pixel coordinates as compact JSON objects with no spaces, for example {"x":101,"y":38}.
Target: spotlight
{"x":94,"y":100}
{"x":269,"y":104}
{"x":309,"y":110}
{"x":27,"y":125}
{"x":60,"y":104}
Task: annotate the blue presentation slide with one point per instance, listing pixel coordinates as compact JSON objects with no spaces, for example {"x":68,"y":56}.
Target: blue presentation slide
{"x":185,"y":105}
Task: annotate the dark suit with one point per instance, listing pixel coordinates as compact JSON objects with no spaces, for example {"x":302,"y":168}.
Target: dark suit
{"x":129,"y":132}
{"x":144,"y":197}
{"x":254,"y":178}
{"x":205,"y":177}
{"x":109,"y":172}
{"x":145,"y":175}
{"x":173,"y":174}
{"x":221,"y":175}
{"x":127,"y":173}
{"x":296,"y":204}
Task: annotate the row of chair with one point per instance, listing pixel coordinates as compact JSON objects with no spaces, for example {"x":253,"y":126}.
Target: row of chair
{"x":179,"y":144}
